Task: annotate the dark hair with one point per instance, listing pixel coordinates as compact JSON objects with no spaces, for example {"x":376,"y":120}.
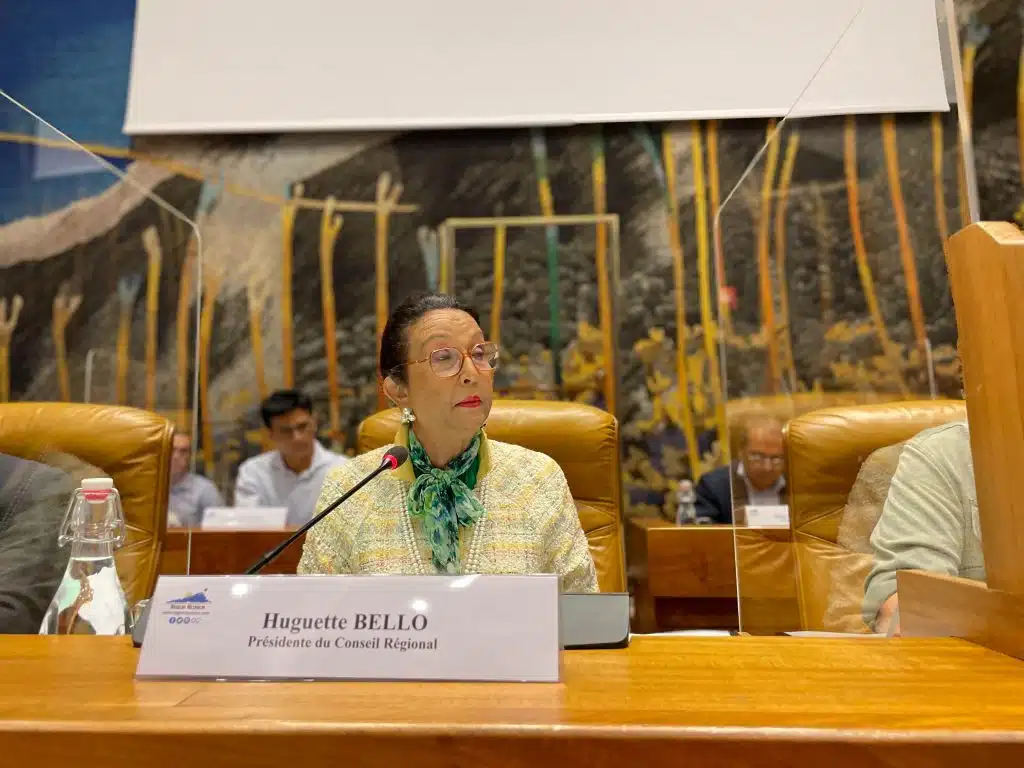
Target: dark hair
{"x":284,"y":401}
{"x":394,"y":343}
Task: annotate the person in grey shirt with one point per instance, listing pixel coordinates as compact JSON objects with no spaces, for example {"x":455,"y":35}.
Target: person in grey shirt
{"x":191,"y":494}
{"x":929,"y":522}
{"x":291,"y":475}
{"x":33,"y":500}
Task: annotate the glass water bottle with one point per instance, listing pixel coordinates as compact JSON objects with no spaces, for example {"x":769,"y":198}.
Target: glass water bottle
{"x":686,"y":504}
{"x":90,"y":600}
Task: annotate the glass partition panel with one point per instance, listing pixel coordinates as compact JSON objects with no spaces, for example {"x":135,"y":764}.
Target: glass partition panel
{"x":102,"y":304}
{"x":558,"y":343}
{"x":320,"y":237}
{"x":834,"y":296}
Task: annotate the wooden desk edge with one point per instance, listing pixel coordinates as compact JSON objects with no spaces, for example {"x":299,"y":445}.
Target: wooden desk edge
{"x":206,"y":718}
{"x":706,"y":733}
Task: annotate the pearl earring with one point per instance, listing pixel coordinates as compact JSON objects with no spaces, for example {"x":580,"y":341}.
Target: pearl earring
{"x":408,"y":417}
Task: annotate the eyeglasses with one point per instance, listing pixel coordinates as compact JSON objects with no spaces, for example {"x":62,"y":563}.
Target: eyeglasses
{"x":760,"y":458}
{"x":447,"y":361}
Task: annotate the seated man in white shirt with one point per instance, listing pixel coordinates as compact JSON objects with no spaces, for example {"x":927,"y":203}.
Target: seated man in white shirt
{"x":291,"y":475}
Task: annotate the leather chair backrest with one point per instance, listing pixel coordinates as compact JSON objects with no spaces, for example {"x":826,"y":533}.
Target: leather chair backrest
{"x":131,"y":446}
{"x":583,"y":440}
{"x":782,"y":408}
{"x":825,"y":452}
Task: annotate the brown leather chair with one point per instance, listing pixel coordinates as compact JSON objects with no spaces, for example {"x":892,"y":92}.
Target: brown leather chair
{"x":765,"y":558}
{"x":129,"y":445}
{"x":583,"y":440}
{"x":825,"y":452}
{"x":786,"y":407}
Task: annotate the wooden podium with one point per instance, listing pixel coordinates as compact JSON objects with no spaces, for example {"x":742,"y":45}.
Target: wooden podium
{"x":986,"y":267}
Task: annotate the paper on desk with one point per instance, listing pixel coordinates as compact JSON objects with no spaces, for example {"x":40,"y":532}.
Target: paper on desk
{"x":831,"y":634}
{"x":687,"y":633}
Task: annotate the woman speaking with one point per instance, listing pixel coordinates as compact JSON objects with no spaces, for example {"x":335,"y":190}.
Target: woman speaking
{"x":462,"y":503}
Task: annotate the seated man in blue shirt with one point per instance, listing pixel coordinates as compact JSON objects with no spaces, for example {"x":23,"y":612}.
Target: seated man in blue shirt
{"x":191,"y":494}
{"x":291,"y":475}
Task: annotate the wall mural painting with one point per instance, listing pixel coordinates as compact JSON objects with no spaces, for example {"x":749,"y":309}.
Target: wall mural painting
{"x":589,"y":252}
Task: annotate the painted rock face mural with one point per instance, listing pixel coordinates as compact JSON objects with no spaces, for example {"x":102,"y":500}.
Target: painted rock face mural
{"x":589,"y":252}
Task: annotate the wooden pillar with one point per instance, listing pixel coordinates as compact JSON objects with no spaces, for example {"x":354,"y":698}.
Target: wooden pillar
{"x":986,"y":268}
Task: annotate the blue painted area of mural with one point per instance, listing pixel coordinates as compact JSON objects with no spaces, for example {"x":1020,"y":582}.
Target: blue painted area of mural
{"x":68,"y":62}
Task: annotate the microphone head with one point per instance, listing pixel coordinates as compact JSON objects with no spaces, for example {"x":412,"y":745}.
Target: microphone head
{"x":395,"y":457}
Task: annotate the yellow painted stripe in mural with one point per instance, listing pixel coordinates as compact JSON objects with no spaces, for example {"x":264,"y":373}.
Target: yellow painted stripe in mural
{"x":97,"y":149}
{"x":907,"y":257}
{"x":938,"y":176}
{"x":714,"y":188}
{"x":65,"y":304}
{"x":8,"y":322}
{"x":211,"y":285}
{"x":256,"y":299}
{"x":498,"y":287}
{"x":785,"y":323}
{"x":764,"y":269}
{"x":599,"y":180}
{"x":679,"y":285}
{"x":330,"y":229}
{"x":182,"y":169}
{"x":704,"y":276}
{"x":860,"y":250}
{"x":287,"y":311}
{"x":182,"y":345}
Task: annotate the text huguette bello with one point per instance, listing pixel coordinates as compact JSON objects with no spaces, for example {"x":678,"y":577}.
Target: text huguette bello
{"x":369,"y":622}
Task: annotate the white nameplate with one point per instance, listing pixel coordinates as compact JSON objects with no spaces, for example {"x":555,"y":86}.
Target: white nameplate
{"x":244,"y":518}
{"x":767,"y":516}
{"x":497,"y":628}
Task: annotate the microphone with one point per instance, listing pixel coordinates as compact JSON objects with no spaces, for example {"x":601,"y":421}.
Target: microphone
{"x":393,"y":459}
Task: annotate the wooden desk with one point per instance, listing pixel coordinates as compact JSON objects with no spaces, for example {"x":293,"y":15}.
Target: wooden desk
{"x":684,"y":577}
{"x":216,"y":553}
{"x":748,"y":701}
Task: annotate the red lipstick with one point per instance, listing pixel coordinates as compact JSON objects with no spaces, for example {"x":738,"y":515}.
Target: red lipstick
{"x":473,"y":401}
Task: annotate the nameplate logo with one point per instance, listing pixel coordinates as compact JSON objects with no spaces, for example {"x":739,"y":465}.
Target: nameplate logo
{"x":767,"y":516}
{"x":244,"y":518}
{"x":476,"y":627}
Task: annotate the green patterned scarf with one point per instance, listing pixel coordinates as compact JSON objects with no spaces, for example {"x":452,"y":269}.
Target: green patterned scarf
{"x":444,"y":499}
